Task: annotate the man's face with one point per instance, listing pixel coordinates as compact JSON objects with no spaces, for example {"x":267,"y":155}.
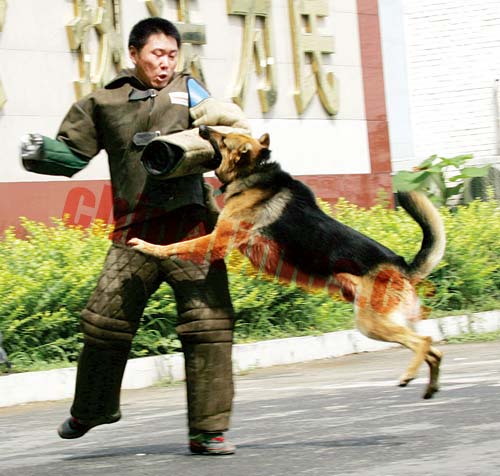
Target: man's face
{"x":155,"y":63}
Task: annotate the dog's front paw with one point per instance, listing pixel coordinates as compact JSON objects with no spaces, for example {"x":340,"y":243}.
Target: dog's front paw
{"x":159,"y":251}
{"x":136,"y":244}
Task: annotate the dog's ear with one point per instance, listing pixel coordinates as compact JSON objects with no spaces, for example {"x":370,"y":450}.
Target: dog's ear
{"x":264,"y":140}
{"x":244,"y":152}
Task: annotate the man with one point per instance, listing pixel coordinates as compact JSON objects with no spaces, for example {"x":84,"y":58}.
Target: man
{"x":147,"y":102}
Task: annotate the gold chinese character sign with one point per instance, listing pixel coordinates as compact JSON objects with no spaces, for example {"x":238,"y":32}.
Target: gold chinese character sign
{"x":105,"y":20}
{"x":3,"y":11}
{"x":256,"y":43}
{"x":191,"y":34}
{"x":307,"y":42}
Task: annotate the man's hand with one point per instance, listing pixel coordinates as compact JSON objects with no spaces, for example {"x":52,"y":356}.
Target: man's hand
{"x":211,"y":112}
{"x":31,"y":149}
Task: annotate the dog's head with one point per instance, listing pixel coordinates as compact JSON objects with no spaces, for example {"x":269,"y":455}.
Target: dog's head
{"x":239,"y":155}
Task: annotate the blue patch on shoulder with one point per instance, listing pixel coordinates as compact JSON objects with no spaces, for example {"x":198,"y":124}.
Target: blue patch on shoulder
{"x":196,"y":91}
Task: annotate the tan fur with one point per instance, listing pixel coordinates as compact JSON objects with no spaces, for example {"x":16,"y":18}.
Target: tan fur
{"x":245,"y":206}
{"x":434,"y":220}
{"x":385,"y":300}
{"x":386,"y":315}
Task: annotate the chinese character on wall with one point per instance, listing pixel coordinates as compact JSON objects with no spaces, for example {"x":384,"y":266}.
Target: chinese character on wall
{"x":104,"y":19}
{"x":3,"y":11}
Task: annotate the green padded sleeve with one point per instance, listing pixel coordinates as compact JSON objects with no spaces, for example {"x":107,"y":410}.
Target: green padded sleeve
{"x":57,"y":159}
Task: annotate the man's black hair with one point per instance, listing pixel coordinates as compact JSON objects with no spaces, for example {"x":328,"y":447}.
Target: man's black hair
{"x":142,"y":30}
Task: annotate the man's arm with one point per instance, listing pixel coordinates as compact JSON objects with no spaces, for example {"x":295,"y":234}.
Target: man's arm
{"x":74,"y":147}
{"x":42,"y":155}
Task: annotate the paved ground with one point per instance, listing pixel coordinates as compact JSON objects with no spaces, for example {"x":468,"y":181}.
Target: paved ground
{"x":343,"y":416}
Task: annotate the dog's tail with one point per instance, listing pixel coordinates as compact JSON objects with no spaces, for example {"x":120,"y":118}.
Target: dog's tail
{"x":421,"y":209}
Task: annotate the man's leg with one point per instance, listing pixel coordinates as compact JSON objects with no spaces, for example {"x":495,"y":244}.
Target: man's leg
{"x":205,"y":328}
{"x":109,"y":323}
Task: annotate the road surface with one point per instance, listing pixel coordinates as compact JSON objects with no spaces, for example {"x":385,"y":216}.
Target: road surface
{"x":342,"y":416}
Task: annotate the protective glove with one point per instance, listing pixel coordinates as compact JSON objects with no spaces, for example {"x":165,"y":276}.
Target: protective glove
{"x":211,"y":112}
{"x":31,"y":150}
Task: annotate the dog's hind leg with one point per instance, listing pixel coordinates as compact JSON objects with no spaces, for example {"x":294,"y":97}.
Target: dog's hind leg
{"x":433,"y":359}
{"x":394,"y":330}
{"x":421,"y":346}
{"x":382,"y":328}
{"x":385,"y":303}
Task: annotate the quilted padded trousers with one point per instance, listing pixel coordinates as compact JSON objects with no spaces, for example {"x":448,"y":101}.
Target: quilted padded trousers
{"x":205,"y":328}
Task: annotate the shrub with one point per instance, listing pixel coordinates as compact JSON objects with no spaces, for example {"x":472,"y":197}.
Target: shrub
{"x":468,"y":276}
{"x":45,"y":280}
{"x":47,"y":277}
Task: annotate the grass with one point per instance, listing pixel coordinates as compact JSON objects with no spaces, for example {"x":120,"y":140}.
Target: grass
{"x":35,"y":367}
{"x":471,"y":337}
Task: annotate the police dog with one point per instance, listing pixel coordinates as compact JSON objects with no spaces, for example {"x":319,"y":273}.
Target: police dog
{"x":275,"y":221}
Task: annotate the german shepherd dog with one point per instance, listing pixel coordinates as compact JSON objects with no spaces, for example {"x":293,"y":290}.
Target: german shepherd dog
{"x":275,"y":221}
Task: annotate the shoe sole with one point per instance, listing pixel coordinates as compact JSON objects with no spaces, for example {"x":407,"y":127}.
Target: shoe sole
{"x":214,"y":452}
{"x":79,"y":433}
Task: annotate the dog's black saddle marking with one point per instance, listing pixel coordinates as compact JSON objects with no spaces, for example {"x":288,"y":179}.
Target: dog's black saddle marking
{"x":316,"y":243}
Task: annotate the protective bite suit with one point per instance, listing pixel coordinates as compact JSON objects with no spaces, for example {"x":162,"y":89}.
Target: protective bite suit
{"x":122,"y":119}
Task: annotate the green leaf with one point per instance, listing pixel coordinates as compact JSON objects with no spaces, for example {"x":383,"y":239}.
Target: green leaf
{"x":405,"y":181}
{"x":401,"y":184}
{"x":471,"y":172}
{"x":450,"y":191}
{"x":456,"y":161}
{"x":428,"y":162}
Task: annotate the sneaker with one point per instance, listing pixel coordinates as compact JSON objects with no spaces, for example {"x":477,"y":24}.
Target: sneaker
{"x":73,"y":428}
{"x":210,"y":444}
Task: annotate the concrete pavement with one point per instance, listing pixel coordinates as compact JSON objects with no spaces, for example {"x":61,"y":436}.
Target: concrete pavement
{"x":343,"y":416}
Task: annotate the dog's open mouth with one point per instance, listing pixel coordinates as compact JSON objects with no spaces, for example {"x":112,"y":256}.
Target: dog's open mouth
{"x":204,"y":132}
{"x":214,"y":163}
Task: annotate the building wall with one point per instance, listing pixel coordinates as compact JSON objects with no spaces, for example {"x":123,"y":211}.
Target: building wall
{"x":453,"y":51}
{"x":393,"y":39}
{"x":346,"y":154}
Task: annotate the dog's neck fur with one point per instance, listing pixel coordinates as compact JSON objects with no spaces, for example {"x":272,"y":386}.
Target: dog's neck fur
{"x":259,"y":176}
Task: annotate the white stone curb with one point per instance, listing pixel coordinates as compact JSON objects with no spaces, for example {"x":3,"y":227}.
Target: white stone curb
{"x":144,"y":372}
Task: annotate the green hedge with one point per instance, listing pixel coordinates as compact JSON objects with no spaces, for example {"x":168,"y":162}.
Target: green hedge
{"x":46,"y":278}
